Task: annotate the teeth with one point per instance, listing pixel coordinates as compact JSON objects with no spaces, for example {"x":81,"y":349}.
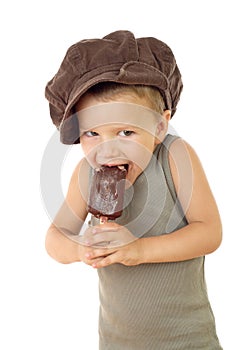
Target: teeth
{"x":121,"y":167}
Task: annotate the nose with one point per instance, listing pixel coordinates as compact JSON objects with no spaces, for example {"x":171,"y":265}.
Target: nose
{"x":108,"y":151}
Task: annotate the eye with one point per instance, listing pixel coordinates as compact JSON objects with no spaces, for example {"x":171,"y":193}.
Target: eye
{"x":91,"y":133}
{"x":126,"y":133}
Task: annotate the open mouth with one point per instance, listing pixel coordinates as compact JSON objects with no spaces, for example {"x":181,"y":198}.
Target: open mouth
{"x":120,"y":166}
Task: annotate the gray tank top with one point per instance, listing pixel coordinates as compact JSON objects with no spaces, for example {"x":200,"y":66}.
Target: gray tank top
{"x":161,"y":306}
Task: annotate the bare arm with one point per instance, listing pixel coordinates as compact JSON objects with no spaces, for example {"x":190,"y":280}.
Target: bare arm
{"x":60,"y":247}
{"x":60,"y":239}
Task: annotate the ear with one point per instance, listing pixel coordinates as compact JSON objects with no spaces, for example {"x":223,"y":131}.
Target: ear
{"x":162,"y":126}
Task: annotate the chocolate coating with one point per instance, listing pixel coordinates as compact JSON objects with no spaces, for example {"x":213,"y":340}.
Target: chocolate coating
{"x":106,"y":194}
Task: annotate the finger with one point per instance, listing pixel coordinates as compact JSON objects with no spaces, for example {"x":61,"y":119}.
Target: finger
{"x":109,"y":241}
{"x":107,"y":261}
{"x":98,"y":253}
{"x":92,"y":261}
{"x":101,"y":239}
{"x":106,"y":227}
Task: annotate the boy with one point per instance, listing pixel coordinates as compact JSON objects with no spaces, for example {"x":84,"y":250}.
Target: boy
{"x":116,"y":96}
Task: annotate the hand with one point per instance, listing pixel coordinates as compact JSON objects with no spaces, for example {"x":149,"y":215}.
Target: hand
{"x":109,"y":243}
{"x":107,"y":235}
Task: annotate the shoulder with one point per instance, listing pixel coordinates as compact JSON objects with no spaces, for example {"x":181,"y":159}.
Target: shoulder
{"x":78,"y":186}
{"x":179,"y":147}
{"x":184,"y":163}
{"x":175,"y":154}
{"x":191,"y":183}
{"x":82,"y":169}
{"x":183,"y":159}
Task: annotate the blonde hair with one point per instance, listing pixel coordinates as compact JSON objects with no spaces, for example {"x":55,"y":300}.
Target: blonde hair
{"x":108,"y":90}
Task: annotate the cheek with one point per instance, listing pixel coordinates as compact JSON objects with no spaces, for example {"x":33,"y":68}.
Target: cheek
{"x":89,"y":152}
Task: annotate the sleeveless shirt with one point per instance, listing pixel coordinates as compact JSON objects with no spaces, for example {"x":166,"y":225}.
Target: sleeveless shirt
{"x":156,"y":306}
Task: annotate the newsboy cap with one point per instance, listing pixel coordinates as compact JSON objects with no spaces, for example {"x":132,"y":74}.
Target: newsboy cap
{"x":119,"y":57}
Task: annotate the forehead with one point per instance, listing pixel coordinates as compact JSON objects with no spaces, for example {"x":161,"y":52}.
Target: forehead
{"x":118,"y":113}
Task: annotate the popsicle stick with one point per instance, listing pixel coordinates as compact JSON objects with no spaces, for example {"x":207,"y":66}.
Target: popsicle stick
{"x":103,"y":219}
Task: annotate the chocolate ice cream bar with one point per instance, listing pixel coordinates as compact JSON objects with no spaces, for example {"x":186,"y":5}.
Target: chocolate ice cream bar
{"x":106,"y":194}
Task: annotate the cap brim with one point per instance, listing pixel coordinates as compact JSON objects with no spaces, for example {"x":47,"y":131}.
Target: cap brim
{"x":69,"y":130}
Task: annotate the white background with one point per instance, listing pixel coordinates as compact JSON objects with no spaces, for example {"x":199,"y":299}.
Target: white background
{"x":46,"y":305}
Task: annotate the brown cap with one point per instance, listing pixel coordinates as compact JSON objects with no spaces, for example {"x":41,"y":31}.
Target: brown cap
{"x":120,"y":58}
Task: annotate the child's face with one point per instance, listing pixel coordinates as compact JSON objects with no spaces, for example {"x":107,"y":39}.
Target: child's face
{"x":122,"y":132}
